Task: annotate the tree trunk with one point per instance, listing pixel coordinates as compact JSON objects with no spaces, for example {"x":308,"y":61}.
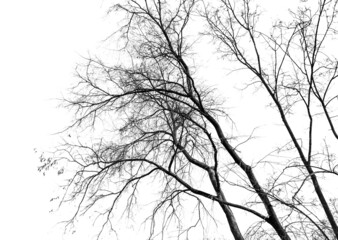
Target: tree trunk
{"x":323,"y":201}
{"x":226,"y":209}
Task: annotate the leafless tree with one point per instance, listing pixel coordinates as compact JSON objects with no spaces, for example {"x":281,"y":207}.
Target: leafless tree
{"x":159,"y":124}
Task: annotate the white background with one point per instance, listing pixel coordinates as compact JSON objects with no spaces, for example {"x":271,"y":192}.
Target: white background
{"x":40,"y":43}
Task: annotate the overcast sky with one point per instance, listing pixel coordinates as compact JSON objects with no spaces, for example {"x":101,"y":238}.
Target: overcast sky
{"x":40,"y":43}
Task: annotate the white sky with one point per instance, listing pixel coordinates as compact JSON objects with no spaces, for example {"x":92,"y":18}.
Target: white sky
{"x":40,"y":43}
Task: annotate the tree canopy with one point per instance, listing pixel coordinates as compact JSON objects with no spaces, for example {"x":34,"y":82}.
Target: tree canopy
{"x":251,"y":151}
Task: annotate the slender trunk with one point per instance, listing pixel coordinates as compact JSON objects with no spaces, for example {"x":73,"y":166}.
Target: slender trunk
{"x":231,"y":219}
{"x":323,"y":202}
{"x":226,"y":209}
{"x":273,"y":219}
{"x":308,"y":167}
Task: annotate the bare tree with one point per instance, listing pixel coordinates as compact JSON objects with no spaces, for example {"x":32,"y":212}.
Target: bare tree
{"x":168,"y":129}
{"x":300,"y":72}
